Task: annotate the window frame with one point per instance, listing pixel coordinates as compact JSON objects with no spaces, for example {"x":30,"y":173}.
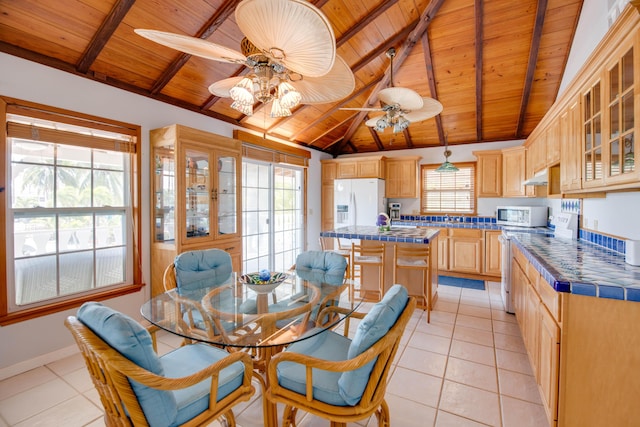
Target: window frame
{"x":25,"y":108}
{"x":427,"y":167}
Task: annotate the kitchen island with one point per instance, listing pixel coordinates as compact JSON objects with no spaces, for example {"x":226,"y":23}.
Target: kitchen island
{"x":411,"y":279}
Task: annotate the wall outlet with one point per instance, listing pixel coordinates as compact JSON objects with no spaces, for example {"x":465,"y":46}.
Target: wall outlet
{"x":585,"y":222}
{"x":595,"y":225}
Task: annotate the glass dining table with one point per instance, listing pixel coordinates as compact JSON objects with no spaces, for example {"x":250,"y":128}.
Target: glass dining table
{"x":258,"y":318}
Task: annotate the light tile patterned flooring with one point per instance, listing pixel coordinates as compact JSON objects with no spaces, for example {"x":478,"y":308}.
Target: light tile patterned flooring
{"x":467,"y":368}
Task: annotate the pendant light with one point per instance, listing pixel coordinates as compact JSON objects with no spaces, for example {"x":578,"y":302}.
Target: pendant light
{"x":447,"y":166}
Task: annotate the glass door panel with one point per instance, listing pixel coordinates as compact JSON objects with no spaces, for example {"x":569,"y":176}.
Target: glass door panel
{"x":226,"y":195}
{"x":165,"y":194}
{"x":621,"y":113}
{"x":198,"y":194}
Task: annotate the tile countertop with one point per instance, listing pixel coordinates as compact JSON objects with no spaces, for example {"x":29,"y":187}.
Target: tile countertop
{"x":580,"y":267}
{"x":399,"y":235}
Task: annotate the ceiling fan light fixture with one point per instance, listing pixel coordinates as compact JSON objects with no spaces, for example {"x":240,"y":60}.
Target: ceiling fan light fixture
{"x":242,"y":93}
{"x":246,"y":109}
{"x":279,"y":110}
{"x":288,"y":95}
{"x":381,"y":124}
{"x":400,"y":124}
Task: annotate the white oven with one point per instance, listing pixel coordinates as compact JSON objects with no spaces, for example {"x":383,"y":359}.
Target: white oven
{"x":505,"y":283}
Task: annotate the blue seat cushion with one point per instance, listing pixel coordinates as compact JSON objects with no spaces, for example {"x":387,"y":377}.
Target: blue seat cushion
{"x":189,"y":359}
{"x":134,"y":342}
{"x":327,"y":345}
{"x":317,"y":264}
{"x":373,"y":326}
{"x":200,"y":269}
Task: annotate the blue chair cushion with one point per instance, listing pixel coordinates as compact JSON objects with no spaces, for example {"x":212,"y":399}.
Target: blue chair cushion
{"x":133,"y":341}
{"x":321,"y":263}
{"x":200,"y":269}
{"x":189,"y":359}
{"x":373,"y":326}
{"x":327,"y":345}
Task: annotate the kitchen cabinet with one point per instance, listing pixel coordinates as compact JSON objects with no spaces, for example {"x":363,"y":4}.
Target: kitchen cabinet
{"x":570,"y":157}
{"x":513,"y":171}
{"x":196,"y":196}
{"x":361,"y":167}
{"x":549,"y":363}
{"x":552,"y":140}
{"x":401,"y":177}
{"x":492,"y":253}
{"x":489,"y":173}
{"x":328,"y":175}
{"x":443,"y":250}
{"x":592,"y":136}
{"x":465,"y":250}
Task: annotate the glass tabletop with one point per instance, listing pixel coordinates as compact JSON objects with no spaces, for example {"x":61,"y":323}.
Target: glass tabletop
{"x":239,"y":314}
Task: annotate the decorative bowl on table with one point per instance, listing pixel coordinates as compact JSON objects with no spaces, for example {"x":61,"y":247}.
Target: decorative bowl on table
{"x":259,"y":283}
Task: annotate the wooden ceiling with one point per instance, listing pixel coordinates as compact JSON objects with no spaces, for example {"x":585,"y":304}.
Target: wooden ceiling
{"x":495,"y":65}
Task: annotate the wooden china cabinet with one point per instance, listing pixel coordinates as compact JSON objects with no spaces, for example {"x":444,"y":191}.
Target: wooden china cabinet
{"x":196,"y":196}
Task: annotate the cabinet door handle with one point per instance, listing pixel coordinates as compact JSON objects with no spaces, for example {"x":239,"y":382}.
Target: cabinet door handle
{"x":228,"y":249}
{"x":214,"y":194}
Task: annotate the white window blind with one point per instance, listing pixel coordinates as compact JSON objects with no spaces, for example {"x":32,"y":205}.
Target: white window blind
{"x":448,"y":192}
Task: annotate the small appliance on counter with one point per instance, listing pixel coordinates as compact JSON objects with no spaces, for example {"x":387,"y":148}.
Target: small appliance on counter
{"x":522,"y":216}
{"x":394,"y":210}
{"x":632,"y":252}
{"x":566,"y":225}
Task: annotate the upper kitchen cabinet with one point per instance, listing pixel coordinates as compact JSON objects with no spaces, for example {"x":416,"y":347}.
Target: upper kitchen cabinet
{"x":401,"y":177}
{"x":361,"y":167}
{"x":513,"y":171}
{"x":489,"y":173}
{"x":623,"y":79}
{"x":592,"y":136}
{"x":570,"y":157}
{"x":196,"y":195}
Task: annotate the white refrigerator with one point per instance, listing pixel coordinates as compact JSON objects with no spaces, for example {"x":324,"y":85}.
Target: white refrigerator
{"x":358,"y":201}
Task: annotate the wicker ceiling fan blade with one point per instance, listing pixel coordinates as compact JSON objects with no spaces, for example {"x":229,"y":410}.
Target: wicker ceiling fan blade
{"x":221,"y":88}
{"x":337,"y":84}
{"x":193,"y":46}
{"x":293,"y":32}
{"x":407,"y":99}
{"x":431,"y":108}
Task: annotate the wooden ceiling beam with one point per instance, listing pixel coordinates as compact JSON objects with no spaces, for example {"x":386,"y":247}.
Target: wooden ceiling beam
{"x":431,"y":80}
{"x":369,"y":18}
{"x":328,"y":131}
{"x":531,"y":65}
{"x":104,"y":33}
{"x":425,"y":19}
{"x":479,"y":12}
{"x":207,"y":29}
{"x":384,"y":47}
{"x":407,"y":138}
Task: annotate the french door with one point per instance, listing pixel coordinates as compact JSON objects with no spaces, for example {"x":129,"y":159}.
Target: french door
{"x":272,"y":216}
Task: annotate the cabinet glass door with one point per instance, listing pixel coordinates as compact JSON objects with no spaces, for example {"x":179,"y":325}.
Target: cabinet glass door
{"x":198,"y":194}
{"x":592,"y":143}
{"x":165,"y":193}
{"x":226,"y":195}
{"x":621,"y":113}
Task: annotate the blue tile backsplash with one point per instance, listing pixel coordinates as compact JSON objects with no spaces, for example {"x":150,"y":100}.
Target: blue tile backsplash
{"x":608,"y":242}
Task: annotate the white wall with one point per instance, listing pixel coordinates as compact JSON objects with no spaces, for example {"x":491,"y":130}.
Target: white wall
{"x":41,"y":340}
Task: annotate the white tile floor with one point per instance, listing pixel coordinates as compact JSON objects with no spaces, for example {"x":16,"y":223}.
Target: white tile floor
{"x":467,"y":368}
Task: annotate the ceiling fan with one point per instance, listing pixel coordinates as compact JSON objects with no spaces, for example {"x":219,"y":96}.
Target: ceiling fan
{"x":401,"y":106}
{"x":289,"y":48}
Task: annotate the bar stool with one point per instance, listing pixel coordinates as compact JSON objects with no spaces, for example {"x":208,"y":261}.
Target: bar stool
{"x":343,"y":250}
{"x":370,"y":255}
{"x":415,"y":258}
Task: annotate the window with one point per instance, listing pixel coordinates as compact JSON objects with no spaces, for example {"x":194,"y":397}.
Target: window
{"x":448,"y":192}
{"x":71,"y":210}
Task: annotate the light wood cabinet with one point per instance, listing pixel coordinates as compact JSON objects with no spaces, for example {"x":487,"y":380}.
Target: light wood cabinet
{"x":549,"y":363}
{"x":401,"y":177}
{"x":443,"y":250}
{"x":570,"y":155}
{"x":513,"y":171}
{"x":360,"y":167}
{"x":553,"y":143}
{"x":465,"y":250}
{"x":328,"y":174}
{"x":492,"y":253}
{"x":489,"y":173}
{"x":196,"y":196}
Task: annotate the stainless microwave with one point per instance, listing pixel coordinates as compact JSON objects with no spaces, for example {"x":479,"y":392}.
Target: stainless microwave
{"x":522,"y":216}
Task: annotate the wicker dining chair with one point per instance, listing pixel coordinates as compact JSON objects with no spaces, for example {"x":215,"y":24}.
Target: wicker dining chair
{"x":339,"y":379}
{"x":189,"y":386}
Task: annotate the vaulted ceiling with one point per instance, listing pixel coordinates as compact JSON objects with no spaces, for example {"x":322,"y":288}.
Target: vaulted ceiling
{"x":495,"y":65}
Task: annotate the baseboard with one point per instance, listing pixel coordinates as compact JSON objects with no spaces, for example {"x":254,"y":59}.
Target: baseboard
{"x":36,"y":362}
